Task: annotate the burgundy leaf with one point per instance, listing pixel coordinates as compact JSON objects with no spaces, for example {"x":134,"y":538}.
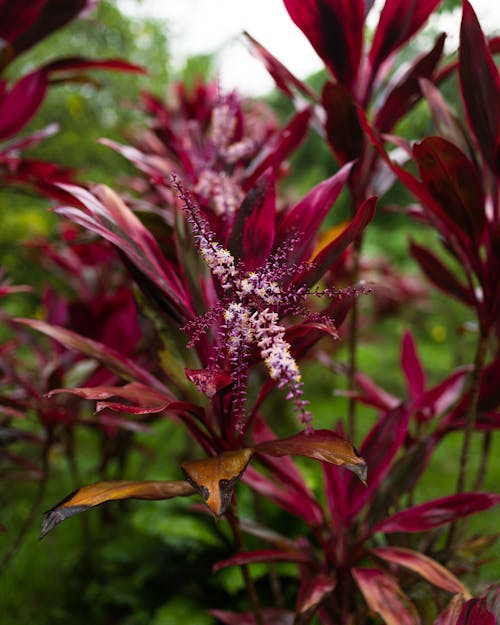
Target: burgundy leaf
{"x":437,"y":512}
{"x":452,"y":181}
{"x":294,"y":500}
{"x":79,"y":62}
{"x":384,"y":596}
{"x":475,"y":612}
{"x":285,"y":143}
{"x":439,"y":398}
{"x":116,"y":362}
{"x":312,"y":591}
{"x":342,"y":126}
{"x":284,"y":79}
{"x":373,"y":395}
{"x":18,"y":105}
{"x":440,"y":275}
{"x":208,"y":381}
{"x":270,"y":616}
{"x":403,"y":95}
{"x":412,"y":367}
{"x":327,"y":256}
{"x":428,"y":568}
{"x":450,"y":615}
{"x":258,"y":228}
{"x":268,"y":555}
{"x":305,"y":218}
{"x":335,"y":30}
{"x":399,"y":20}
{"x":480,"y":84}
{"x":379,"y":449}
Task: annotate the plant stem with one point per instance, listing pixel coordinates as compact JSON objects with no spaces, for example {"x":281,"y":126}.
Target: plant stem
{"x":234,"y":521}
{"x":475,"y":385}
{"x":34,"y":510}
{"x":353,"y":345}
{"x":483,"y":466}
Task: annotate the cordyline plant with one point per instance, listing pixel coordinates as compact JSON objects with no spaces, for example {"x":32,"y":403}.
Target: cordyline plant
{"x":240,"y":288}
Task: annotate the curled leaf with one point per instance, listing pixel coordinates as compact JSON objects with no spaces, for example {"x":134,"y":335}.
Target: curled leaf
{"x":322,"y":445}
{"x":215,"y":478}
{"x":100,"y":492}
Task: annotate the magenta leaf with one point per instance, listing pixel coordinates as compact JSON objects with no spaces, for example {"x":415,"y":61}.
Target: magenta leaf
{"x":403,"y":95}
{"x":437,"y":512}
{"x":268,"y":555}
{"x":384,"y":596}
{"x":480,"y":83}
{"x":475,"y":612}
{"x":399,"y":20}
{"x":79,"y":62}
{"x":312,"y":592}
{"x":335,"y":30}
{"x":18,"y":105}
{"x":305,"y":218}
{"x":440,"y":275}
{"x":379,"y":450}
{"x":270,"y":616}
{"x":452,"y":181}
{"x":252,"y":237}
{"x":412,"y":367}
{"x":450,"y":614}
{"x":284,"y":79}
{"x":342,"y":126}
{"x":327,"y":256}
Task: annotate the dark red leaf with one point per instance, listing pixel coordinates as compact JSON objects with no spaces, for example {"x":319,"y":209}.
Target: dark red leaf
{"x":327,"y":256}
{"x":450,"y":615}
{"x":305,"y":218}
{"x":440,"y":275}
{"x":280,"y":149}
{"x":284,"y":79}
{"x":475,"y":612}
{"x":412,"y":367}
{"x":384,"y":596}
{"x":399,"y":98}
{"x":335,"y":30}
{"x":379,"y":450}
{"x":399,"y":20}
{"x":480,"y":83}
{"x":256,"y":218}
{"x":342,"y":126}
{"x":18,"y":105}
{"x":268,"y":555}
{"x":69,"y":64}
{"x":437,"y":512}
{"x":312,"y":591}
{"x":270,"y":616}
{"x":452,"y":181}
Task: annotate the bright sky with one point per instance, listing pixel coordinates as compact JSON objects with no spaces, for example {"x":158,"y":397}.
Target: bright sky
{"x":213,"y":26}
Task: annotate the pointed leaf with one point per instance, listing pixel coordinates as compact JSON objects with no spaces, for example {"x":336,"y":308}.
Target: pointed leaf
{"x":480,"y":84}
{"x":116,"y":362}
{"x":335,"y":30}
{"x":450,"y":615}
{"x":312,"y":592}
{"x":267,"y":555}
{"x":399,"y":20}
{"x":440,"y":275}
{"x":305,"y":218}
{"x":428,"y":568}
{"x":326,"y":257}
{"x":100,"y":492}
{"x":437,"y":512}
{"x":379,"y":450}
{"x":475,"y":612}
{"x":323,"y":445}
{"x":342,"y":126}
{"x":406,"y":92}
{"x":18,"y":105}
{"x":452,"y":181}
{"x":384,"y":596}
{"x":215,"y":478}
{"x":79,"y":62}
{"x":412,"y":367}
{"x":252,"y":237}
{"x":284,"y":79}
{"x":269,"y":616}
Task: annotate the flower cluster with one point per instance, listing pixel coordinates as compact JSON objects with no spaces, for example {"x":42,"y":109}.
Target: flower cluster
{"x":249,"y":314}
